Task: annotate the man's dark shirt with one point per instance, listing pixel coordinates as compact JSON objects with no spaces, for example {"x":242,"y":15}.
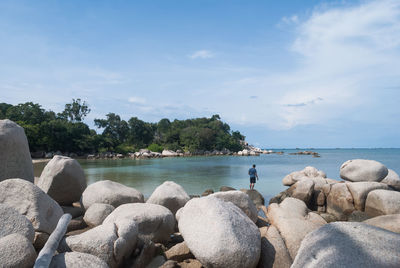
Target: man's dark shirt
{"x":252,"y":172}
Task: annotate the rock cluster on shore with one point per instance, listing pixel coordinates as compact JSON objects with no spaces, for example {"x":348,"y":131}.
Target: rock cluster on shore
{"x":316,"y":222}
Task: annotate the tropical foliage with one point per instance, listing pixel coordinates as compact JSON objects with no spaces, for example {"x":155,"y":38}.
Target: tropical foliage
{"x":65,"y":131}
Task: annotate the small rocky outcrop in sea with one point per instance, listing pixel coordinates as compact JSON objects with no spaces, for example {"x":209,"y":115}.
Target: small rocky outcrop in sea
{"x":314,"y":154}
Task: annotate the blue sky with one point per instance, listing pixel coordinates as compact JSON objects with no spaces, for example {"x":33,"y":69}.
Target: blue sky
{"x":285,"y":73}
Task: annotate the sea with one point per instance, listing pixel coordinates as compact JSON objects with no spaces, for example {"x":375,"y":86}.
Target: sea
{"x":199,"y":173}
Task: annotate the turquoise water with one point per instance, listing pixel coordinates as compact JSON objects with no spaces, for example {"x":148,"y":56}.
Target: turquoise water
{"x":197,"y":174}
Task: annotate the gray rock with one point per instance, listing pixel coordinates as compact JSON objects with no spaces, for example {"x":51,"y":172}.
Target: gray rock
{"x":77,"y":260}
{"x":382,"y":202}
{"x":155,"y":222}
{"x":112,"y":193}
{"x":274,"y":253}
{"x":392,"y":179}
{"x":76,"y":224}
{"x":388,"y":222}
{"x":358,"y":216}
{"x":15,"y":158}
{"x":294,"y":222}
{"x":349,"y":244}
{"x":179,"y":252}
{"x":63,"y":180}
{"x":226,"y":188}
{"x":241,"y":200}
{"x":170,"y":195}
{"x":11,"y":221}
{"x":233,"y":241}
{"x":96,"y":214}
{"x":16,"y":251}
{"x":306,"y":173}
{"x":74,"y":211}
{"x":207,"y":192}
{"x":360,"y":191}
{"x":340,"y":202}
{"x":302,"y":190}
{"x":254,"y":195}
{"x":40,"y":240}
{"x":363,"y":170}
{"x":31,"y":201}
{"x":112,"y":242}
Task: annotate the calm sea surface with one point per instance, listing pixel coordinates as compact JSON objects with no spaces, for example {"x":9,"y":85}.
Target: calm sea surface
{"x":197,"y":174}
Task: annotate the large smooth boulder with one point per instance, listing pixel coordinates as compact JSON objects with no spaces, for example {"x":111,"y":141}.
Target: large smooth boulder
{"x":77,"y":260}
{"x":112,"y":242}
{"x":63,"y":180}
{"x":110,"y":192}
{"x":274,"y":253}
{"x":97,"y":213}
{"x":241,"y":200}
{"x":170,"y":195}
{"x":382,"y":202}
{"x":388,"y":222}
{"x":219,"y":234}
{"x":155,"y":222}
{"x":360,"y":191}
{"x":15,"y":158}
{"x":294,"y":221}
{"x":254,"y":195}
{"x":306,"y":173}
{"x":16,"y":251}
{"x":11,"y":221}
{"x":363,"y":170}
{"x":349,"y":244}
{"x":31,"y":201}
{"x":339,"y":201}
{"x":392,"y":179}
{"x":302,"y":190}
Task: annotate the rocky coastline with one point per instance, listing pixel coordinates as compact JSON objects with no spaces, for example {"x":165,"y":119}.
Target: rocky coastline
{"x":316,"y":222}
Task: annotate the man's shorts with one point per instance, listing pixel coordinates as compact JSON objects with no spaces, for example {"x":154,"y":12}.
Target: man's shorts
{"x":252,"y":179}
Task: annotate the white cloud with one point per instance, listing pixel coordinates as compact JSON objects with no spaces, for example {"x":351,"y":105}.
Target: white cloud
{"x":202,"y":54}
{"x":343,"y":55}
{"x":137,"y":100}
{"x":290,"y":20}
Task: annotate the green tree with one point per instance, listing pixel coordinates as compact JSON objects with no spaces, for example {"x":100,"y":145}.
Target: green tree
{"x":114,"y":128}
{"x":75,"y":111}
{"x":140,"y":133}
{"x":29,"y":113}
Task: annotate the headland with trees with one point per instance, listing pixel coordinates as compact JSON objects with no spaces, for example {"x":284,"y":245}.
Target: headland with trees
{"x":48,"y":131}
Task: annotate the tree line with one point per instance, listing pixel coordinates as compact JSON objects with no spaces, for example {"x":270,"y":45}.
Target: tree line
{"x":49,"y":131}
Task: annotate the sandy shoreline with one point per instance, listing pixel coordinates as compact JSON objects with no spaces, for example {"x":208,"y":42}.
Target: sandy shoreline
{"x":40,"y":160}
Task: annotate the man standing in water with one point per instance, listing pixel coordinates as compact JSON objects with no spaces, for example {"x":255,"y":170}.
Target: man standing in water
{"x":253,"y":176}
